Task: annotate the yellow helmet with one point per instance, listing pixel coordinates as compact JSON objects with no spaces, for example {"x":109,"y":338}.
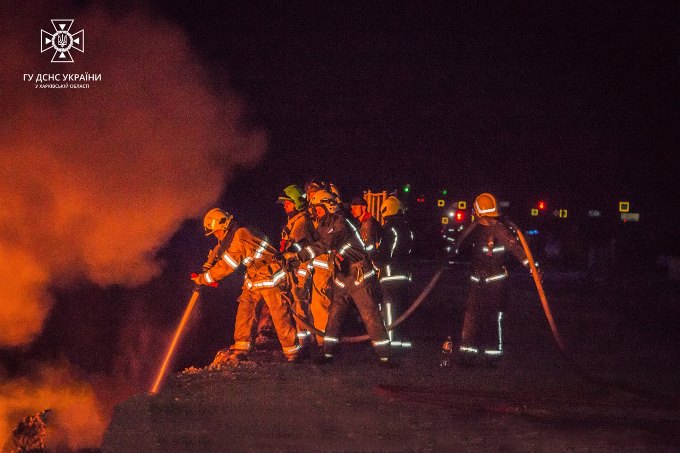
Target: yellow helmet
{"x":216,"y":219}
{"x":295,"y":195}
{"x":391,"y":206}
{"x":486,"y":205}
{"x":326,"y":199}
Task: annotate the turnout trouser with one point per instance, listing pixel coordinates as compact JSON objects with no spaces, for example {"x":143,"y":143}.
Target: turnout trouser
{"x":366,"y":299}
{"x":320,"y":299}
{"x":395,"y":297}
{"x":482,"y":332}
{"x":278,"y":304}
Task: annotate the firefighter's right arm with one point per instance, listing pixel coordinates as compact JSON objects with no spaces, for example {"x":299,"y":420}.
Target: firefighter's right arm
{"x":328,"y":235}
{"x":460,"y":240}
{"x":228,"y":263}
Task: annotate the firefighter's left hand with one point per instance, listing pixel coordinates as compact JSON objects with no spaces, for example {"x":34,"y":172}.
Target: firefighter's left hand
{"x":200,"y":280}
{"x":291,"y":258}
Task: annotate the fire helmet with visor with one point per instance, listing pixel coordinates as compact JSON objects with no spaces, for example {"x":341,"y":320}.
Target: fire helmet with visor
{"x":486,"y":205}
{"x":216,"y":220}
{"x":325,"y":199}
{"x":392,"y":206}
{"x":295,"y":195}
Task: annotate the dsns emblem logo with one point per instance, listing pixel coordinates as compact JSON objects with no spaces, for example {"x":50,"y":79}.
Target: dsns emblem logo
{"x":62,"y":41}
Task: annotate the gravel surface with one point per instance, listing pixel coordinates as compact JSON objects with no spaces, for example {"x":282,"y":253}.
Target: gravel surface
{"x":619,"y":394}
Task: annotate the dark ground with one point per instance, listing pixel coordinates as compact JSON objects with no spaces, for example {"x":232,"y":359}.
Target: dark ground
{"x":622,"y":335}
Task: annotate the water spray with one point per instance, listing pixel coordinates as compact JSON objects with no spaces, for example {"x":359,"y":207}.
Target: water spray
{"x":180,"y":328}
{"x":175,"y":340}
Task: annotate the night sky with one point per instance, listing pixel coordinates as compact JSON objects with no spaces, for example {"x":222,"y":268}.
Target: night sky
{"x":572,"y":101}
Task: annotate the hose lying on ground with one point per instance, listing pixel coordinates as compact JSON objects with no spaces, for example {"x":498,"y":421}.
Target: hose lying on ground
{"x":665,"y":400}
{"x":357,"y":339}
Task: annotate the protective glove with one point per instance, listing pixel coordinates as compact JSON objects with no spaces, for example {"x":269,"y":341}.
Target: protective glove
{"x":289,"y":256}
{"x":199,"y":279}
{"x":291,"y":259}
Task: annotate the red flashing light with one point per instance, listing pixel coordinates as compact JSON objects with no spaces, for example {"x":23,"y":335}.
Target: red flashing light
{"x":541,"y":205}
{"x":420,"y":199}
{"x":459,"y":216}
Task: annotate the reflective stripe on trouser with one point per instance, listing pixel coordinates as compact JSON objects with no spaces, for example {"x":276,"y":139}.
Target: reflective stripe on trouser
{"x":320,"y":301}
{"x":482,"y":331}
{"x":280,"y":313}
{"x":301,"y":307}
{"x":394,"y":295}
{"x":366,"y":299}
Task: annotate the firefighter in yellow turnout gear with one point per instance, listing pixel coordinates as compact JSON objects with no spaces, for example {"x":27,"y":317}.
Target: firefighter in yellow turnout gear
{"x":321,"y":290}
{"x":491,"y":241}
{"x":298,"y":231}
{"x":265,"y":280}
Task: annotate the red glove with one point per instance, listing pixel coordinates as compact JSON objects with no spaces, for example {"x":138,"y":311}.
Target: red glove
{"x":200,"y":280}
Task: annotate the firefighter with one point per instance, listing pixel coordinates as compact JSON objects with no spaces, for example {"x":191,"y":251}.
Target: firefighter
{"x":298,"y":228}
{"x":393,"y":259}
{"x":354,"y":278}
{"x":265,"y":280}
{"x":481,"y":339}
{"x":321,"y":289}
{"x":369,"y":226}
{"x":297,"y":232}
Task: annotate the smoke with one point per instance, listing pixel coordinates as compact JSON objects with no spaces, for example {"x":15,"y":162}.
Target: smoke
{"x":75,"y":419}
{"x":94,"y":181}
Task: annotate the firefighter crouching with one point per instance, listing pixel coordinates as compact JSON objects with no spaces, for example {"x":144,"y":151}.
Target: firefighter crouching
{"x":481,"y":339}
{"x":265,"y":280}
{"x":393,"y":259}
{"x":298,"y":230}
{"x":354,"y":278}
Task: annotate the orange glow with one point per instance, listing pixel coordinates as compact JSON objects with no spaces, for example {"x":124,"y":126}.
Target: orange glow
{"x":171,"y":350}
{"x":85,"y":182}
{"x":76,"y":419}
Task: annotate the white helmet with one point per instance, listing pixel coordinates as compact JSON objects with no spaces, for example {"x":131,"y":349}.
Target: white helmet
{"x":326,"y":199}
{"x":215,"y":220}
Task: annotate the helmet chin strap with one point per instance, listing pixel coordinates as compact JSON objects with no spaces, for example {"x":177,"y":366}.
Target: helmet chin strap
{"x":314,"y":214}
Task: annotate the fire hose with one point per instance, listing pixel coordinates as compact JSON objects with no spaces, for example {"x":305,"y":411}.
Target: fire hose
{"x":665,"y":400}
{"x":212,"y":256}
{"x":359,"y":338}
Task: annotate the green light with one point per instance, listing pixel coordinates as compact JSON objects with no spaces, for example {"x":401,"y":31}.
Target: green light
{"x":407,"y":188}
{"x":445,"y":192}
